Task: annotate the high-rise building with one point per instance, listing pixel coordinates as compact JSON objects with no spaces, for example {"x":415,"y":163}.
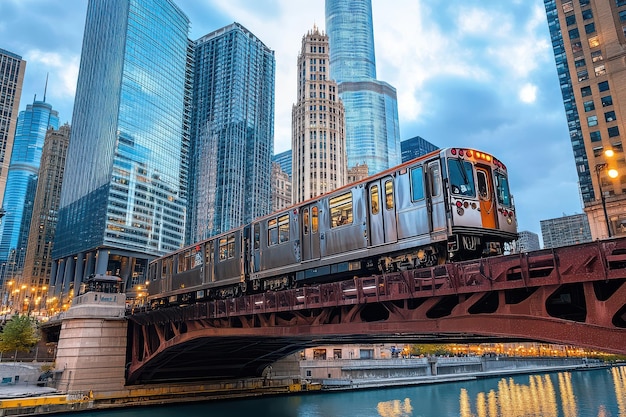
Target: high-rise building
{"x":415,"y":147}
{"x":284,"y":160}
{"x":38,"y":259}
{"x":124,"y":194}
{"x":12,"y":69}
{"x":317,"y":124}
{"x":281,"y":188}
{"x":589,"y":42}
{"x":527,"y":242}
{"x":371,"y":106}
{"x":566,"y":230}
{"x":19,"y":195}
{"x":232,"y":130}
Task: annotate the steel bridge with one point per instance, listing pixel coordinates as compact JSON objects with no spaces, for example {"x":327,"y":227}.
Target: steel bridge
{"x":573,"y":295}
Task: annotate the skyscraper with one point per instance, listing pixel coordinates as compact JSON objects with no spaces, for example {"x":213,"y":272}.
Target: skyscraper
{"x":19,"y":195}
{"x":565,"y":231}
{"x":415,"y":147}
{"x":124,"y":193}
{"x":589,"y":43}
{"x":317,"y":120}
{"x":38,"y":259}
{"x":12,"y":69}
{"x":371,"y":106}
{"x":232,"y":130}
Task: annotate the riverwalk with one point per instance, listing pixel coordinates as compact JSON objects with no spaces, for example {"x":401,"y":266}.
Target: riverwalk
{"x":28,"y":399}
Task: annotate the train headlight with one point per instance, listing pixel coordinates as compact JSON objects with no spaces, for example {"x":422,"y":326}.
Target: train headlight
{"x":509,"y":220}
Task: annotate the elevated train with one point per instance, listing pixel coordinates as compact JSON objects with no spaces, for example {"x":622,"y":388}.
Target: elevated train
{"x":451,"y":204}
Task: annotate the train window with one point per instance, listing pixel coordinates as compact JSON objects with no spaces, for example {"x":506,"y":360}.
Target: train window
{"x":314,"y":219}
{"x":388,"y":194}
{"x":283,"y":228}
{"x":341,"y":210}
{"x":272,"y":232}
{"x":374,"y":199}
{"x":227,"y":247}
{"x":502,"y":187}
{"x":257,"y":237}
{"x":461,"y":177}
{"x":417,"y":183}
{"x":435,"y":179}
{"x":305,"y":221}
{"x":483,"y":185}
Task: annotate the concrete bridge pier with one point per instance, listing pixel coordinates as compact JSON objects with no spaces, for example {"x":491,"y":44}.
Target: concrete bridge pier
{"x":91,"y":352}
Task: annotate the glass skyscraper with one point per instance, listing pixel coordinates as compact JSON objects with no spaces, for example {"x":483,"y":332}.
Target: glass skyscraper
{"x":371,"y":106}
{"x":124,"y":194}
{"x":232,"y":130}
{"x":19,"y":195}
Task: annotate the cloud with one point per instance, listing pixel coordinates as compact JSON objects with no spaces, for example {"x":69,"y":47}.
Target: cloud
{"x":528,"y":93}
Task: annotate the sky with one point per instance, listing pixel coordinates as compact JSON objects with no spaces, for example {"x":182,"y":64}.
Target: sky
{"x":472,"y":73}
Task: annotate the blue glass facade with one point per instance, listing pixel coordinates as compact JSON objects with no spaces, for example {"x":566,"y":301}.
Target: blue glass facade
{"x":125,"y":182}
{"x":371,"y":106}
{"x":415,"y":147}
{"x":232,"y":130}
{"x":19,"y":194}
{"x":573,"y":119}
{"x":284,"y":160}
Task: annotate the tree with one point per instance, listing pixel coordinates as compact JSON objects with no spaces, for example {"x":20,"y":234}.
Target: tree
{"x":19,"y":334}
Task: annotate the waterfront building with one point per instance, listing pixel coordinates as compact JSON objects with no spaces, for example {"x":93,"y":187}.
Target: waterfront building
{"x":281,"y":188}
{"x":317,"y":120}
{"x":371,"y":106}
{"x":415,"y":147}
{"x":589,"y":48}
{"x":38,"y":259}
{"x":12,"y":68}
{"x":232,"y":130}
{"x":566,"y":230}
{"x":284,"y":160}
{"x":527,"y":242}
{"x":124,"y":194}
{"x":19,"y":195}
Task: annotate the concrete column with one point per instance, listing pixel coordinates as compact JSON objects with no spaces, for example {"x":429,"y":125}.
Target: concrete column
{"x":78,"y":275}
{"x":68,"y":277}
{"x":53,"y":276}
{"x":90,"y":264}
{"x":58,"y":287}
{"x":102,"y":260}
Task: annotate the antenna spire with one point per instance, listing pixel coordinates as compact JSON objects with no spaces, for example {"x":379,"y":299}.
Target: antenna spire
{"x":45,"y":88}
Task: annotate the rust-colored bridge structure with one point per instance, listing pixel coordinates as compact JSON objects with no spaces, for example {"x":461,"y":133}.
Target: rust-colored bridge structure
{"x":573,"y":295}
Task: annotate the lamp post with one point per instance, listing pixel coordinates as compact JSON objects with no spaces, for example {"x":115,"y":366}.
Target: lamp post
{"x":611,"y":173}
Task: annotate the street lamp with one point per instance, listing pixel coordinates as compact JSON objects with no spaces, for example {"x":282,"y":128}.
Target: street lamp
{"x":611,"y":173}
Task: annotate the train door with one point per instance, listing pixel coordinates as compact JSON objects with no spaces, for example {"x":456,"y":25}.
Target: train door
{"x":436,"y":203}
{"x":382,"y":211}
{"x":486,"y":196}
{"x":208,"y":261}
{"x":309,"y":233}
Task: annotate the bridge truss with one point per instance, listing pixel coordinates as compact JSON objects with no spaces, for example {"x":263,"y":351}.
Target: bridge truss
{"x":572,"y":295}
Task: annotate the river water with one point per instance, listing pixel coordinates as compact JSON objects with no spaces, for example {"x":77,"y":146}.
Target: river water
{"x":597,"y":393}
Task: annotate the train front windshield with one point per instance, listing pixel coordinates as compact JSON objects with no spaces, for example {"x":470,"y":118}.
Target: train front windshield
{"x":461,"y":177}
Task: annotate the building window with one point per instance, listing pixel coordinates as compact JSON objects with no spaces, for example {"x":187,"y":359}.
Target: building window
{"x":587,"y":14}
{"x":596,"y":56}
{"x":570,"y":20}
{"x":567,"y":6}
{"x":585,"y":91}
{"x":573,"y":34}
{"x":603,"y":86}
{"x":609,"y":116}
{"x":613,"y":131}
{"x":590,"y":28}
{"x":622,"y":15}
{"x":600,"y":70}
{"x":589,"y":106}
{"x":584,"y":3}
{"x":583,"y":75}
{"x":579,"y":62}
{"x":577,"y":47}
{"x":595,"y":136}
{"x":607,"y":101}
{"x":592,"y":121}
{"x":620,"y":3}
{"x":594,"y":42}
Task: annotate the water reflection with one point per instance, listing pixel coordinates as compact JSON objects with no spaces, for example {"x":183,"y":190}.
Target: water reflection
{"x":395,"y":408}
{"x":619,"y":382}
{"x":538,"y":398}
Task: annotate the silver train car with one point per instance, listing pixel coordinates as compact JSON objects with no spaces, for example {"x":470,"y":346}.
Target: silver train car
{"x":452,"y":204}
